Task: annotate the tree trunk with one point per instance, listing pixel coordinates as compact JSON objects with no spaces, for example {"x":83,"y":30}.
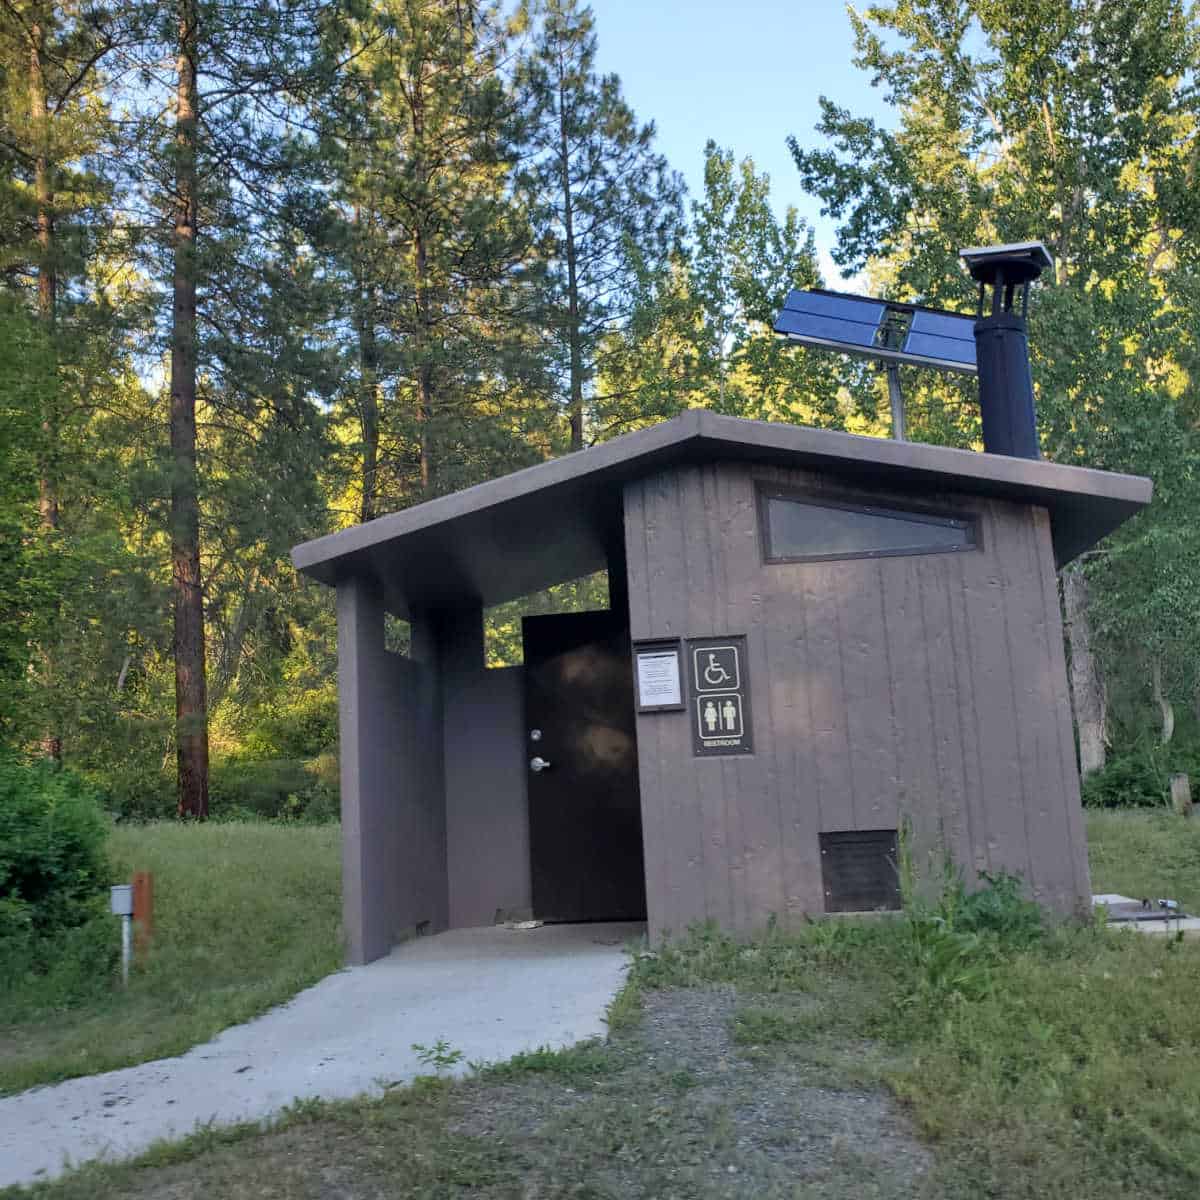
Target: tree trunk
{"x":425,"y":370}
{"x":47,"y":307}
{"x":43,"y":185}
{"x":368,"y":400}
{"x":1087,"y":684}
{"x":425,"y":382}
{"x":1165,"y":708}
{"x":574,"y":339}
{"x":191,"y":701}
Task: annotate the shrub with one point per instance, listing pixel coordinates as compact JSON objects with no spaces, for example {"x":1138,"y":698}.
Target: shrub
{"x":260,"y":788}
{"x":52,"y":833}
{"x":56,"y":971}
{"x":270,"y":789}
{"x":1139,"y":778}
{"x":303,"y":726}
{"x":137,"y":791}
{"x":999,"y":909}
{"x":292,"y":789}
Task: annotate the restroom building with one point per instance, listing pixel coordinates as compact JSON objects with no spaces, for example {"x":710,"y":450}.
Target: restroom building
{"x":813,"y":639}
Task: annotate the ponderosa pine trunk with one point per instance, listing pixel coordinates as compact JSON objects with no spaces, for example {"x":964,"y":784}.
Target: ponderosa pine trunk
{"x":191,"y":700}
{"x":425,"y":398}
{"x":47,"y":307}
{"x":368,"y":401}
{"x":1087,"y":685}
{"x":574,"y":336}
{"x":425,"y":383}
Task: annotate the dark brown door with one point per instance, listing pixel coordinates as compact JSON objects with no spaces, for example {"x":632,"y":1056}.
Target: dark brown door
{"x":585,"y":821}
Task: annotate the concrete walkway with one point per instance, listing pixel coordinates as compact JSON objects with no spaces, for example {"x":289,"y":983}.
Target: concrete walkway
{"x":490,"y":993}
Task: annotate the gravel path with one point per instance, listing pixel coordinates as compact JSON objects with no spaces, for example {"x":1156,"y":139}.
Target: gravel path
{"x":688,"y":1113}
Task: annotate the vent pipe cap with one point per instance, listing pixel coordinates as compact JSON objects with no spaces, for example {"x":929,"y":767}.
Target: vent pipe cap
{"x":1008,"y":265}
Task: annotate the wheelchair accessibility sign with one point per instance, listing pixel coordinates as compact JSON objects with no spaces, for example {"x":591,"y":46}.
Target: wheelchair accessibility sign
{"x":716,"y":669}
{"x":719,"y":696}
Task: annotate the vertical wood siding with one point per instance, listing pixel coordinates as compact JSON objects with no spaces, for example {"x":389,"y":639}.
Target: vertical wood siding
{"x":927,"y":687}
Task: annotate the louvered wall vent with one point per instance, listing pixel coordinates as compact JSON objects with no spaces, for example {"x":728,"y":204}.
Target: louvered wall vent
{"x":859,"y":870}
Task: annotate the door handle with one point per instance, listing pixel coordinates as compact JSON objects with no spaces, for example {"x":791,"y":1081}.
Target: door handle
{"x":537,"y":764}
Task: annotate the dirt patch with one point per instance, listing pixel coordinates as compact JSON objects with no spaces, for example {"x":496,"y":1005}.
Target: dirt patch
{"x":688,"y":1112}
{"x":781,"y":1130}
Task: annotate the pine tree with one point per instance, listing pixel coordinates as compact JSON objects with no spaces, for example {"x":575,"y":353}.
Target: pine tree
{"x":53,"y":120}
{"x":605,"y":204}
{"x":231,"y":168}
{"x":445,"y":385}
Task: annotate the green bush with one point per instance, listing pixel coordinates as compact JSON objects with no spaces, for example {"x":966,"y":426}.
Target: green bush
{"x":292,"y":789}
{"x":304,"y":726}
{"x":272,"y":789}
{"x":137,"y":791}
{"x":56,"y":971}
{"x":999,"y":909}
{"x":52,"y":864}
{"x":1139,"y":778}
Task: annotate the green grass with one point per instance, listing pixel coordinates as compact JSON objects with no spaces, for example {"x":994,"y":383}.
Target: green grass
{"x":246,"y":915}
{"x":1055,"y":1069}
{"x":1051,"y":1066}
{"x":1145,"y":852}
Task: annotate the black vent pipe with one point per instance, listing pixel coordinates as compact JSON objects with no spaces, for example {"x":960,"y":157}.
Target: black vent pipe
{"x":1002,"y":346}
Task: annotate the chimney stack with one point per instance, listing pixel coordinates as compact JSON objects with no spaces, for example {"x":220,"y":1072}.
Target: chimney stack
{"x":1002,"y":345}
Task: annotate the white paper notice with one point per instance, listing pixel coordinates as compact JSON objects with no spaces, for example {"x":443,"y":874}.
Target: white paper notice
{"x":658,"y":678}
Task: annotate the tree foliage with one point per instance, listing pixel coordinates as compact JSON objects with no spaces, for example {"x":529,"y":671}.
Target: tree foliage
{"x":1072,"y":122}
{"x":426,"y":243}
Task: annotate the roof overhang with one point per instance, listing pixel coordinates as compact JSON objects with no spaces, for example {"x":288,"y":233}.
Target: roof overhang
{"x":562,"y":519}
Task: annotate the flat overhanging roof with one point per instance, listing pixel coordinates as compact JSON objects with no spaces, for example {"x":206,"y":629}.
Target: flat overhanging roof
{"x":559,"y":519}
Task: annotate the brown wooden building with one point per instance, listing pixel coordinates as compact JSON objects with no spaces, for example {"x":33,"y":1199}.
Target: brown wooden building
{"x":814,"y":639}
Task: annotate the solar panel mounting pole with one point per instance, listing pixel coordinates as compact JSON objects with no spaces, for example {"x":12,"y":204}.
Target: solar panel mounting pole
{"x":896,"y":396}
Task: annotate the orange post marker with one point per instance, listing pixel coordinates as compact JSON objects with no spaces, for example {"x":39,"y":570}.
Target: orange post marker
{"x":143,"y":913}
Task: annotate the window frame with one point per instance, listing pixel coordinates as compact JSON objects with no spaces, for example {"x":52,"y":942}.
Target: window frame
{"x":767,"y":492}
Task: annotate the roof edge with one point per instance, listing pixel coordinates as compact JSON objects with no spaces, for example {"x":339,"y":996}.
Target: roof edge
{"x":702,"y":431}
{"x":566,"y":468}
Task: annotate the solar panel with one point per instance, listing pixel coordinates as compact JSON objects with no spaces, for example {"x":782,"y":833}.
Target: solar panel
{"x":943,"y":336}
{"x":837,"y":305}
{"x":884,"y":330}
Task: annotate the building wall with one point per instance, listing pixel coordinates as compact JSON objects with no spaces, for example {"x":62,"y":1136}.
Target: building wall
{"x":928,"y":686}
{"x":487,"y":812}
{"x":435,"y":822}
{"x":393,"y":812}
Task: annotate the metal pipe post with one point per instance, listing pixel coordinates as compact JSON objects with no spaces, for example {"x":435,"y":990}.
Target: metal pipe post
{"x":896,"y":396}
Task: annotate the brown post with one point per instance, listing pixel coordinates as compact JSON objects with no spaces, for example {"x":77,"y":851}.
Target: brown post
{"x":143,"y":913}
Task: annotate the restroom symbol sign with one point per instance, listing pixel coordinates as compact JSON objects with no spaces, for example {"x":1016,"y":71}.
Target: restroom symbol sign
{"x":719,"y":695}
{"x":716,"y":669}
{"x":719,"y":716}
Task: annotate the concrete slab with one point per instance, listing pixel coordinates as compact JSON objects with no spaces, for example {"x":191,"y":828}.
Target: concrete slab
{"x":490,"y":993}
{"x":1124,"y":912}
{"x":1189,"y":927}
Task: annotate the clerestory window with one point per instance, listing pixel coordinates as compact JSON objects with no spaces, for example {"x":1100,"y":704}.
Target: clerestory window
{"x":799,"y":528}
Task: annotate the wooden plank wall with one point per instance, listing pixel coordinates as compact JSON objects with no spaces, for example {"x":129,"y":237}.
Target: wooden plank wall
{"x":928,"y":687}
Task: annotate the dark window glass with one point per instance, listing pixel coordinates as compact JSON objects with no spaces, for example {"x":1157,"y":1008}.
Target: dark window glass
{"x":802,"y":529}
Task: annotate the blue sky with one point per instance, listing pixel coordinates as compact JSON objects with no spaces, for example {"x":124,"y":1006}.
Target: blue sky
{"x":746,"y":74}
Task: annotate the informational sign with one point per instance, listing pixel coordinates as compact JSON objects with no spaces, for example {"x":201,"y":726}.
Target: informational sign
{"x":719,"y":696}
{"x":659,"y":677}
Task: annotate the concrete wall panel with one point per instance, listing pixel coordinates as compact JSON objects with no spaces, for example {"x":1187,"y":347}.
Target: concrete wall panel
{"x":393,"y":820}
{"x":487,"y":811}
